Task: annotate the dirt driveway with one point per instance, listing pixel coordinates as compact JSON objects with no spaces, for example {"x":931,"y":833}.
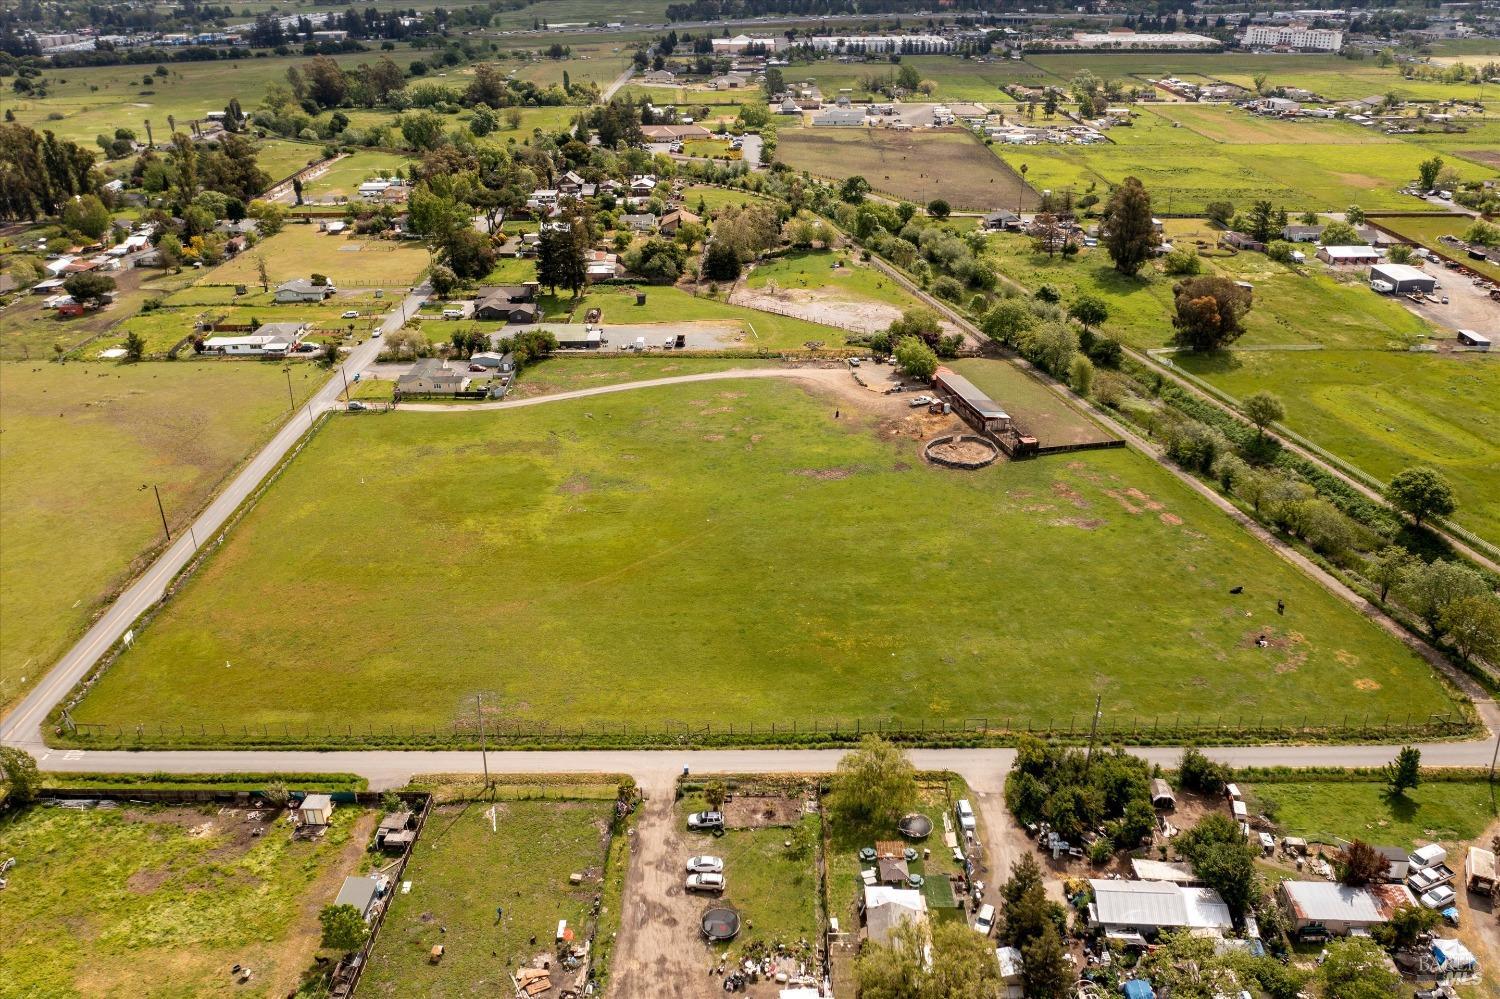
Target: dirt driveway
{"x":660,"y":950}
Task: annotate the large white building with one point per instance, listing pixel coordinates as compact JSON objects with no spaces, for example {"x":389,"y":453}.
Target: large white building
{"x":1293,"y":36}
{"x":1131,"y":40}
{"x":879,"y":43}
{"x":739,"y":44}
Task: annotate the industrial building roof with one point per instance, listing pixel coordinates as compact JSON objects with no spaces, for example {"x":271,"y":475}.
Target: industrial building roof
{"x":1324,"y":902}
{"x":1158,"y":903}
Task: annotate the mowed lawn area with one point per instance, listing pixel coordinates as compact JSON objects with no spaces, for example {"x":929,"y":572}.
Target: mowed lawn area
{"x":597,"y":559}
{"x":77,"y":444}
{"x":471,"y":859}
{"x":299,"y":251}
{"x":1383,"y":411}
{"x":345,"y":176}
{"x":919,"y":166}
{"x":163,"y":901}
{"x":1330,"y":811}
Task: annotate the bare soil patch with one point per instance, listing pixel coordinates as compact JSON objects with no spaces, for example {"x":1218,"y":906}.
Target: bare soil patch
{"x":754,"y":812}
{"x":962,"y":451}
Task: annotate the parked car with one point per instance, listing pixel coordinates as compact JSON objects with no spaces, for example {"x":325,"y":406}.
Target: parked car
{"x":985,"y":921}
{"x":356,"y":406}
{"x":706,"y":820}
{"x":1440,"y":897}
{"x":920,"y":400}
{"x":453,"y":313}
{"x":350,"y":314}
{"x":375,"y":333}
{"x":713,"y":883}
{"x":965,"y":815}
{"x":705,"y":865}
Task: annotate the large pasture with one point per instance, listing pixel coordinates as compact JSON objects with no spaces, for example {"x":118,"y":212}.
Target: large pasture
{"x":945,"y":163}
{"x":299,"y":251}
{"x":1385,"y":410}
{"x":77,"y":444}
{"x":731,"y":552}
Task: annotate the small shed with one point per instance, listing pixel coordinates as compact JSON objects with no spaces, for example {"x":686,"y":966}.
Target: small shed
{"x":395,"y":832}
{"x":360,"y":893}
{"x":316,"y":810}
{"x":1471,"y":339}
{"x":891,"y":862}
{"x":1397,"y":864}
{"x":1479,"y":870}
{"x":1161,"y":795}
{"x":1012,"y":985}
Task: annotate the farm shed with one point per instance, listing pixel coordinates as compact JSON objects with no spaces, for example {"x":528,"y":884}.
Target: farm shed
{"x":360,"y":893}
{"x":977,"y":409}
{"x":1479,"y":870}
{"x":1161,"y":794}
{"x":1012,"y":985}
{"x":1148,"y":906}
{"x":1471,"y":339}
{"x":395,"y":832}
{"x":1403,"y":278}
{"x":1397,"y":862}
{"x":1339,"y":909}
{"x":316,"y":810}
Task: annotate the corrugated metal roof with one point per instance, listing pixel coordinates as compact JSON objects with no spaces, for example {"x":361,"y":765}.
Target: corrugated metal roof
{"x":1161,"y":870}
{"x":1158,"y":903}
{"x":970,"y":393}
{"x":1323,"y":902}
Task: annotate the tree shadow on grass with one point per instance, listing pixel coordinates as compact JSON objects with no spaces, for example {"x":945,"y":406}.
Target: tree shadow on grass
{"x":1402,"y":808}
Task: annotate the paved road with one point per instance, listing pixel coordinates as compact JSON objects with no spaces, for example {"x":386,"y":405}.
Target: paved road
{"x":619,"y":82}
{"x":23,"y":725}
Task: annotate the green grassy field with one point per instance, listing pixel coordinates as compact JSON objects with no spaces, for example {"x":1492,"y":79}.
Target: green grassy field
{"x":281,"y":158}
{"x":97,"y":99}
{"x":1224,"y":124}
{"x":956,"y":79}
{"x":349,"y":262}
{"x":814,"y":269}
{"x":1040,"y":411}
{"x":669,"y":513}
{"x":462,"y":869}
{"x":1447,"y":811}
{"x":77,"y":441}
{"x":163,"y":901}
{"x":345,"y":176}
{"x":1289,"y":308}
{"x":1383,"y":411}
{"x":946,"y":163}
{"x":715,"y":198}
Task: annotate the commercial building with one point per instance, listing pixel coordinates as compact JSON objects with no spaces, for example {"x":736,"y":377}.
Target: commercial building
{"x":1123,"y":39}
{"x":1401,"y":278}
{"x":879,"y":43}
{"x":1293,"y":36}
{"x":1341,"y":256}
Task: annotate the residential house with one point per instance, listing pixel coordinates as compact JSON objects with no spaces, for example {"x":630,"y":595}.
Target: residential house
{"x":494,"y":360}
{"x":267,"y":340}
{"x":1241,"y":241}
{"x":997,"y":221}
{"x":788,"y":106}
{"x":602,"y":265}
{"x":674,"y":133}
{"x":659,"y":76}
{"x":840,"y":118}
{"x":431,"y":376}
{"x":643,"y":185}
{"x":673,"y":220}
{"x":1302,"y":233}
{"x":639,"y":223}
{"x":729,"y":81}
{"x":1127,"y":910}
{"x":303,"y":290}
{"x":514,"y":303}
{"x":570,"y":183}
{"x":1322,"y":908}
{"x":886,"y":908}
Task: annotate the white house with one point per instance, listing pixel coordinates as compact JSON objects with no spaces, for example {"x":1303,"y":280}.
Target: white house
{"x":1131,"y":908}
{"x":373,"y":188}
{"x":271,"y":339}
{"x":1335,"y":909}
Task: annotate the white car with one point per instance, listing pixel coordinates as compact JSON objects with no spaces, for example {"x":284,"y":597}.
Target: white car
{"x":351,"y":314}
{"x":705,"y":865}
{"x":965,"y":815}
{"x":921,"y":400}
{"x":1440,"y":898}
{"x":985,"y":921}
{"x":713,"y":883}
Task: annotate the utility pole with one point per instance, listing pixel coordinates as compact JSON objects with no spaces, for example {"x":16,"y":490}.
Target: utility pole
{"x":345,"y":373}
{"x":163,"y":511}
{"x":484,"y":756}
{"x":1093,"y":731}
{"x":1493,"y":757}
{"x":290,"y":398}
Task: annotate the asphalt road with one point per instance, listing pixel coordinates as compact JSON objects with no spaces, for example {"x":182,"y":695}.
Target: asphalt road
{"x":23,"y":725}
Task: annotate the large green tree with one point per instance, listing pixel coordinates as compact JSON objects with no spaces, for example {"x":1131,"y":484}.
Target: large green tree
{"x":1209,"y":312}
{"x":22,"y":777}
{"x":874,"y":783}
{"x":1421,"y":492}
{"x":344,"y":929}
{"x":1129,"y":234}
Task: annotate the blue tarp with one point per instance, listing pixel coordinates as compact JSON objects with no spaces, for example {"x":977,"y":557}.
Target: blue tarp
{"x":1139,"y":988}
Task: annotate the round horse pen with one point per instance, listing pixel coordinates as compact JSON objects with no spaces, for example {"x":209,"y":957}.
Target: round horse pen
{"x":720,"y":923}
{"x":961,"y":451}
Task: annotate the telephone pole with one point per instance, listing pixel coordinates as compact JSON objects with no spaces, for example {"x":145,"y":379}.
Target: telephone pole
{"x":484,"y":756}
{"x":163,"y":511}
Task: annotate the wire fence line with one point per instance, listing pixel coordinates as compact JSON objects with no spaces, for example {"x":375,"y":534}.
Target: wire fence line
{"x":609,"y":732}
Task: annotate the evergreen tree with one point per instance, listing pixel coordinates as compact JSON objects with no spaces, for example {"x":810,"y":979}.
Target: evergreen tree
{"x":1130,"y":236}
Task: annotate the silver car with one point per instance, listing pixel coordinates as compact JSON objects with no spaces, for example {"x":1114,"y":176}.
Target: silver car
{"x":705,"y":865}
{"x":712,"y":883}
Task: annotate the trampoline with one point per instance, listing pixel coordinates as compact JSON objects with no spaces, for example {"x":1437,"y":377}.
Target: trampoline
{"x":915,"y":826}
{"x":720,"y":923}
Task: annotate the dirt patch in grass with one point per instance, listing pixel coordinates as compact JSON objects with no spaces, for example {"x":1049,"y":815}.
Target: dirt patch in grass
{"x":1070,"y":494}
{"x":144,"y":882}
{"x":576,"y":485}
{"x":825,"y":474}
{"x":1365,"y":683}
{"x":748,"y":812}
{"x":1488,"y":157}
{"x":1171,"y":519}
{"x":1084,"y":523}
